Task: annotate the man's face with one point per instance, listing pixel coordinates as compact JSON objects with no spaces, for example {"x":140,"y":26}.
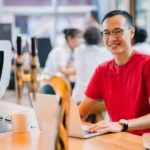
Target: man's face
{"x":117,"y":34}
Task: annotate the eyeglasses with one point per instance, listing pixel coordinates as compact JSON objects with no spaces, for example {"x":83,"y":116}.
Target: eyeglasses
{"x":115,"y":33}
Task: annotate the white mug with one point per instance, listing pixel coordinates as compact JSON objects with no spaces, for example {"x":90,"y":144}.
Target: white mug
{"x":21,"y":121}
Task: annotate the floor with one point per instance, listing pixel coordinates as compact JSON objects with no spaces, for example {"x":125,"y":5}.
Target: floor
{"x":10,"y":96}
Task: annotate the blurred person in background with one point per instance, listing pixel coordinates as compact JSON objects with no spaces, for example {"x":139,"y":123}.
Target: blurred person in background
{"x":139,"y":40}
{"x":61,"y":58}
{"x":87,"y":58}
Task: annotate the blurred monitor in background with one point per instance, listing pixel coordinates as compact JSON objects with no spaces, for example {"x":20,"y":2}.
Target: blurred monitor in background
{"x":6,"y":31}
{"x":44,"y":47}
{"x":21,"y":22}
{"x":1,"y":62}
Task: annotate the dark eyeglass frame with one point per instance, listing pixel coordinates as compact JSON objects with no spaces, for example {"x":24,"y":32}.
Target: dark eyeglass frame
{"x":115,"y":33}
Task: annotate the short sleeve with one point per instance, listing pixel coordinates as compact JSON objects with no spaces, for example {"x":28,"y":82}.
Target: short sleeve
{"x":147,"y":76}
{"x":93,"y":89}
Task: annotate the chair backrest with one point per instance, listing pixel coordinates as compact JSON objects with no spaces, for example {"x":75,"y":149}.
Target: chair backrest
{"x":44,"y":47}
{"x":62,"y":86}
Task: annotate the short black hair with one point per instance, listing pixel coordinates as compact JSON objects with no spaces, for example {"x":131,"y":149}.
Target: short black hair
{"x":92,"y":36}
{"x":123,"y":13}
{"x":73,"y":32}
{"x":140,"y":35}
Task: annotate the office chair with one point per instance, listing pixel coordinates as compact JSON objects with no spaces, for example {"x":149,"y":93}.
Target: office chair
{"x":61,"y":86}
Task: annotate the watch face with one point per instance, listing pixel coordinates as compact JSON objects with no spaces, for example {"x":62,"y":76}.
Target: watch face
{"x":124,"y":123}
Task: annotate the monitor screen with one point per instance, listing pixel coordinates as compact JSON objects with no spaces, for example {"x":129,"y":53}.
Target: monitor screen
{"x":6,"y":31}
{"x":44,"y":47}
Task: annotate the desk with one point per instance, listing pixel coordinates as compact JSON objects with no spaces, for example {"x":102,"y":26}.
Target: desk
{"x":34,"y":141}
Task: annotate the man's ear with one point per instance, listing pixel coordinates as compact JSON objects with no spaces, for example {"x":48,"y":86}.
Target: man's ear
{"x":132,"y":31}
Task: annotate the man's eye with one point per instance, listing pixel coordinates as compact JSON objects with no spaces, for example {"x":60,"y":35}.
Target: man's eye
{"x":118,"y":32}
{"x":106,"y":33}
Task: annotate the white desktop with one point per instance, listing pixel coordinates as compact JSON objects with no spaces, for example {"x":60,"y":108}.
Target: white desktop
{"x":5,"y":69}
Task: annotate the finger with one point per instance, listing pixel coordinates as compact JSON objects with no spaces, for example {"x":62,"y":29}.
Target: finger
{"x":101,"y":122}
{"x":98,"y":127}
{"x":93,"y":128}
{"x":103,"y":130}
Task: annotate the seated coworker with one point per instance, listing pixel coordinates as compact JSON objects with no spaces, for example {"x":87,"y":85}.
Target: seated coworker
{"x":139,"y":41}
{"x":60,"y":59}
{"x":90,"y":50}
{"x":123,"y":83}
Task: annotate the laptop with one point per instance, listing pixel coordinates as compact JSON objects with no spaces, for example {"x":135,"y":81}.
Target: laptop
{"x":76,"y":128}
{"x":46,"y":109}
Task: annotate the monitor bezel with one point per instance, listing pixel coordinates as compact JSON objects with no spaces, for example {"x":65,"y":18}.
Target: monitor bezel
{"x":5,"y":46}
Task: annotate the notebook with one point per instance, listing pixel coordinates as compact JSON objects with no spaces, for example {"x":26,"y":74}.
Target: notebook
{"x":76,"y":128}
{"x":46,"y":109}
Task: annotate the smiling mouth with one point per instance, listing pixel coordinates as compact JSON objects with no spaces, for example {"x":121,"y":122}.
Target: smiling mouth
{"x":113,"y":45}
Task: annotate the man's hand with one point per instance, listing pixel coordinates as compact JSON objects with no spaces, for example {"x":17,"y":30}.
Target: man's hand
{"x":104,"y":127}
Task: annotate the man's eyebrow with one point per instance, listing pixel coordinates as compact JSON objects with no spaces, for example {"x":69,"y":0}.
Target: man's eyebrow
{"x":112,"y":30}
{"x":105,"y":30}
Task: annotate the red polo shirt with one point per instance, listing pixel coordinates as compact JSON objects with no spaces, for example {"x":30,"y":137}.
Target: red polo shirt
{"x":125,"y":89}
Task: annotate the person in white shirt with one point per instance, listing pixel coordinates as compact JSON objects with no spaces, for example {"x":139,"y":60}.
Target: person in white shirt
{"x":60,"y":59}
{"x":87,"y":58}
{"x":139,"y":41}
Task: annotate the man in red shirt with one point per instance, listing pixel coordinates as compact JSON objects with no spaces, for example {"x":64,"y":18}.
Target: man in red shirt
{"x":123,"y":83}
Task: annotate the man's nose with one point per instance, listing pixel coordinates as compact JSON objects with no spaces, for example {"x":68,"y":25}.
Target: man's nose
{"x":112,"y":36}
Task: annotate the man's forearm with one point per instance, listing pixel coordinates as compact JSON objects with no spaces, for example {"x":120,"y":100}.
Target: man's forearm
{"x":86,"y":107}
{"x":139,"y":123}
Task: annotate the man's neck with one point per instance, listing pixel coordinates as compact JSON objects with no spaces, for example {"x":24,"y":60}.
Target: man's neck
{"x":123,"y":58}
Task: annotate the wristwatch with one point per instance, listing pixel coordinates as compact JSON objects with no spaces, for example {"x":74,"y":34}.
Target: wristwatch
{"x":124,"y":123}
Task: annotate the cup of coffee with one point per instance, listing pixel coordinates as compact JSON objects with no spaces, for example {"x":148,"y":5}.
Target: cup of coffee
{"x":20,"y":120}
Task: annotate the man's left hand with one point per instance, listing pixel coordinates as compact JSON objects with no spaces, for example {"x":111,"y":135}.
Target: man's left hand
{"x":104,"y":127}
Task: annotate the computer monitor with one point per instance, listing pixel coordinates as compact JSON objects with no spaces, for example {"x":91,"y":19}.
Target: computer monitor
{"x":44,"y":47}
{"x":5,"y":65}
{"x":6,"y":31}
